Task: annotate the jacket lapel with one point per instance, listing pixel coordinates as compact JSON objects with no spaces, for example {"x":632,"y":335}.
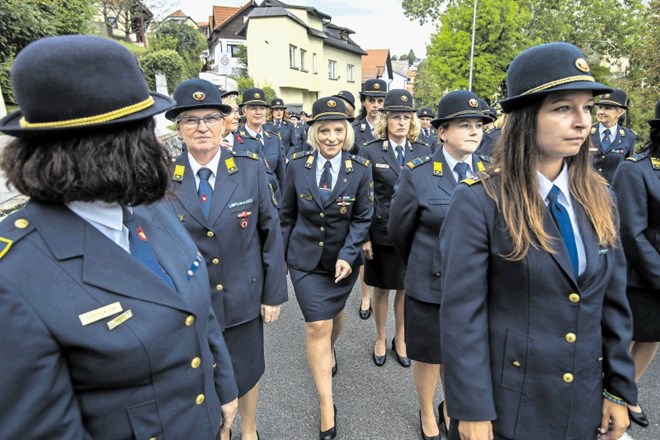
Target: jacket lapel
{"x":186,"y":191}
{"x":387,"y":156}
{"x":561,"y":253}
{"x":310,"y":178}
{"x":447,"y":182}
{"x":343,"y":180}
{"x":224,"y":188}
{"x":590,"y":241}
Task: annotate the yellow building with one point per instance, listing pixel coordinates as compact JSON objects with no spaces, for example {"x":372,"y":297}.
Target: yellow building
{"x":299,"y":53}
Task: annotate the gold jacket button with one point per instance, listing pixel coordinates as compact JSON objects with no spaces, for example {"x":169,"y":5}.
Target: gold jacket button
{"x":322,"y":229}
{"x":570,"y":337}
{"x":321,"y":243}
{"x":190,"y":320}
{"x":153,"y":438}
{"x":21,"y":223}
{"x":210,"y":234}
{"x":215,"y":261}
{"x":196,"y":362}
{"x":516,"y":364}
{"x":322,"y":215}
{"x":574,"y":297}
{"x":200,"y":399}
{"x":219,"y":288}
{"x":437,"y":274}
{"x":568,"y":377}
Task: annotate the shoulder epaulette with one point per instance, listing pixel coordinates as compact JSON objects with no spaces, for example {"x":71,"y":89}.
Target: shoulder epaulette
{"x":421,"y":144}
{"x":475,"y":179}
{"x":245,"y":153}
{"x":14,"y":228}
{"x":300,"y":154}
{"x":638,"y":157}
{"x":361,"y":160}
{"x":484,"y":157}
{"x":373,"y":141}
{"x":418,"y":161}
{"x":622,"y":132}
{"x":489,"y":130}
{"x":593,"y":129}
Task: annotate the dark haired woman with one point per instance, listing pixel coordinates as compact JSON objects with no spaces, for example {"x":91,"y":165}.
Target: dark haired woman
{"x":638,"y":181}
{"x":106,"y":326}
{"x":535,"y":324}
{"x":326,"y":212}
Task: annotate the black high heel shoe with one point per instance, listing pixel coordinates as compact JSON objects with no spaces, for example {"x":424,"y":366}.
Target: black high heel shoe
{"x":403,"y":360}
{"x":444,"y":429}
{"x":365,"y":314}
{"x":332,"y":432}
{"x":421,"y":429}
{"x":638,"y":417}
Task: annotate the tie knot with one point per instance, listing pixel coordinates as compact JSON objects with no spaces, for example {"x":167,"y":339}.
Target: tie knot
{"x":258,"y":136}
{"x":461,"y":167}
{"x":204,"y":173}
{"x":327,"y":165}
{"x":399,"y":149}
{"x":553,"y":195}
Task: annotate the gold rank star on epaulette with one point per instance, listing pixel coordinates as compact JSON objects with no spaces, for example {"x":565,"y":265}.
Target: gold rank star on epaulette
{"x":361,"y":160}
{"x":593,"y":130}
{"x":418,"y":161}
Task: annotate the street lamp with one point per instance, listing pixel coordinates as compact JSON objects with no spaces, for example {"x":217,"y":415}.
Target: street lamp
{"x":474,"y":31}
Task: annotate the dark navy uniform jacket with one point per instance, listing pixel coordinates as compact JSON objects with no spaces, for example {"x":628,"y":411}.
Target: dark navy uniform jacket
{"x":528,"y":344}
{"x":419,"y":206}
{"x":363,"y":135}
{"x":162,"y":373}
{"x":639,"y":179}
{"x":488,"y":141}
{"x":325,"y":232}
{"x":273,"y":151}
{"x":285,"y":131}
{"x":386,"y":171}
{"x":300,"y":136}
{"x":431,"y":140}
{"x":606,"y":161}
{"x":245,"y":261}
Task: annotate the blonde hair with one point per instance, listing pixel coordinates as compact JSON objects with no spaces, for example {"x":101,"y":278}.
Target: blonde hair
{"x":515,"y":189}
{"x":313,"y":131}
{"x":380,"y":126}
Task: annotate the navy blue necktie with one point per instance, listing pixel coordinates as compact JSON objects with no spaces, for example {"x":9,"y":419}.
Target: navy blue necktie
{"x":560,"y":214}
{"x":606,"y":139}
{"x":325,"y":183}
{"x":259,"y":138}
{"x":461,"y":168}
{"x":399,"y":155}
{"x":140,"y":249}
{"x":205,"y":191}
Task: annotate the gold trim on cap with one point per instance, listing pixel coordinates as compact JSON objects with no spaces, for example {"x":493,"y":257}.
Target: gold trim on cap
{"x":329,"y":114}
{"x":90,"y":120}
{"x":462,"y":112}
{"x":559,"y":82}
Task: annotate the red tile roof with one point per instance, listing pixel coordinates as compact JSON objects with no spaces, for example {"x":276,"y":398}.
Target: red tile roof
{"x":222,"y":14}
{"x":373,"y":64}
{"x":178,"y":13}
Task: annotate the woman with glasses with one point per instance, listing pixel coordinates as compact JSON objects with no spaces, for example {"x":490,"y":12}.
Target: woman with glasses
{"x":223,"y":200}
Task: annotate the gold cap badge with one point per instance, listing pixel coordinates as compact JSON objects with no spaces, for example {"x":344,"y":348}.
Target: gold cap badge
{"x":377,"y":86}
{"x":404,"y":98}
{"x":332,"y":104}
{"x":606,"y":96}
{"x":473,"y":103}
{"x":199,"y":96}
{"x":582,"y":65}
{"x":257,"y":95}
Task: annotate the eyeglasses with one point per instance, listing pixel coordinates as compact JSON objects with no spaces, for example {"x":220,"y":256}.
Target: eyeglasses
{"x":193,"y":121}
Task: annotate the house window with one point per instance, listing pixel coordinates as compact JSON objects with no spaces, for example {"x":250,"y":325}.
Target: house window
{"x":314,"y":69}
{"x":332,"y":69}
{"x":233,"y":49}
{"x":303,"y":60}
{"x":349,"y":73}
{"x":292,"y":56}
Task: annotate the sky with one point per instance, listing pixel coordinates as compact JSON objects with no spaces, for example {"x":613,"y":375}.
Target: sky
{"x":378,"y":24}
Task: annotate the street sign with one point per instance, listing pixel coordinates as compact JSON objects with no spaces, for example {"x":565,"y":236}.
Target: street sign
{"x":224,"y":64}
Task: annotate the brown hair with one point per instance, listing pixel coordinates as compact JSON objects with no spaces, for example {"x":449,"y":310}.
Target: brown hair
{"x":515,"y":188}
{"x":125,"y":164}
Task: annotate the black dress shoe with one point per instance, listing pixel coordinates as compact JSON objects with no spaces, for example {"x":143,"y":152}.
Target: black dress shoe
{"x":444,"y":429}
{"x":334,"y":368}
{"x":421,"y":429}
{"x":639,"y":417}
{"x":332,"y":432}
{"x":365,"y":314}
{"x":379,"y":360}
{"x":403,"y":360}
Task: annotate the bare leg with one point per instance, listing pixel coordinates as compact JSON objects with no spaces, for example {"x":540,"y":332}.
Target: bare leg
{"x":642,"y":354}
{"x":319,"y":355}
{"x":380,"y":304}
{"x":247,"y":407}
{"x":444,"y":407}
{"x":366,"y":292}
{"x":399,"y":327}
{"x":337,"y":326}
{"x":426,"y":379}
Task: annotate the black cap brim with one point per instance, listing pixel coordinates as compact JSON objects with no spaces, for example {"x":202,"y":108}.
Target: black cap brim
{"x":512,"y":103}
{"x":486,"y":119}
{"x":173,"y":113}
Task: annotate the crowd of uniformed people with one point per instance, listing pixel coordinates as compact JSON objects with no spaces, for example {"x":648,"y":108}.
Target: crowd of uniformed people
{"x":523,"y":250}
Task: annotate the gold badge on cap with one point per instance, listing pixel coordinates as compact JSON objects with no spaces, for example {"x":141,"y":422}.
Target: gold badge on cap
{"x":332,"y":104}
{"x":257,"y":95}
{"x":199,"y":96}
{"x":606,"y":96}
{"x":473,"y":103}
{"x":582,"y":65}
{"x":377,"y":86}
{"x":404,"y":98}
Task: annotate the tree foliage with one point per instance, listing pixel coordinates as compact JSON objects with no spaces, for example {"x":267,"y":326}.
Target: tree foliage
{"x":244,"y":83}
{"x":185,"y":40}
{"x":166,"y":61}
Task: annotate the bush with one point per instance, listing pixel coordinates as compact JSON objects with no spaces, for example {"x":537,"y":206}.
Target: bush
{"x":166,"y":61}
{"x":244,"y":83}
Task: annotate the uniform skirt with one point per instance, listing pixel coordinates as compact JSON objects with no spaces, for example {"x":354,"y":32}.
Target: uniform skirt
{"x":645,"y":307}
{"x":422,"y":322}
{"x":385,"y":270}
{"x":245,"y":343}
{"x":318,"y":295}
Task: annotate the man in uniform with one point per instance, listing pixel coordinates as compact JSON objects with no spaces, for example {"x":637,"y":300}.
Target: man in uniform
{"x":428,"y":135}
{"x":372,"y":98}
{"x":611,"y":142}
